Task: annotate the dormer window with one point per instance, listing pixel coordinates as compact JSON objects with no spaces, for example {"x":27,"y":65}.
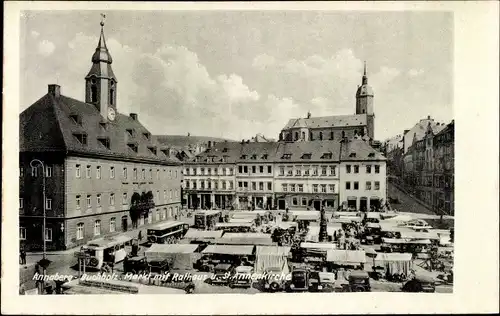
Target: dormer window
{"x":133,"y":147}
{"x":306,"y":156}
{"x":254,"y":157}
{"x":243,"y":157}
{"x":76,"y":118}
{"x":147,"y":135}
{"x":105,"y":142}
{"x":371,"y":155}
{"x":286,"y":156}
{"x":265,"y":156}
{"x":352,"y":155}
{"x":130,"y":132}
{"x":81,"y":137}
{"x":224,"y":150}
{"x":103,"y":125}
{"x":327,"y":156}
{"x":152,"y":150}
{"x":165,"y":152}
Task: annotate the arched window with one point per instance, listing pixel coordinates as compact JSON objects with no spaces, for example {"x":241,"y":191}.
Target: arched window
{"x":343,"y":134}
{"x":296,"y":135}
{"x":93,"y":93}
{"x":111,"y":96}
{"x":311,"y":136}
{"x":320,"y":135}
{"x":303,"y":135}
{"x":331,"y":135}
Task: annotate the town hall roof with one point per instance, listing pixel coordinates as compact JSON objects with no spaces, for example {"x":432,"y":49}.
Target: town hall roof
{"x":59,"y":123}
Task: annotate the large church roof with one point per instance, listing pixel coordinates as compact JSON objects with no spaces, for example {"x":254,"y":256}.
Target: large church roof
{"x":328,"y":121}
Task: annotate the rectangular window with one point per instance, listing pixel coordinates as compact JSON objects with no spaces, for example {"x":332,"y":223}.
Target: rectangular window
{"x":124,"y":198}
{"x":333,"y":170}
{"x":79,"y":231}
{"x":292,"y":187}
{"x":348,"y":168}
{"x":261,"y":186}
{"x":48,"y":234}
{"x":254,"y":169}
{"x":284,"y":187}
{"x":240,"y":184}
{"x":21,"y":172}
{"x":143,"y":174}
{"x":298,"y":171}
{"x":98,"y":172}
{"x":112,"y":225}
{"x":135,"y":173}
{"x":368,"y":185}
{"x":377,"y":185}
{"x":194,"y":185}
{"x":89,"y":201}
{"x":348,"y":185}
{"x":230,"y":171}
{"x":356,"y":185}
{"x":269,"y":169}
{"x":323,"y":188}
{"x":78,"y":171}
{"x":377,"y":169}
{"x":240,"y":169}
{"x":315,"y":188}
{"x":289,"y":171}
{"x":48,"y":171}
{"x":295,"y":201}
{"x":223,"y":185}
{"x":315,"y":170}
{"x":356,"y":169}
{"x":78,"y":201}
{"x":124,"y":173}
{"x":245,"y":169}
{"x":112,"y":172}
{"x":97,"y":228}
{"x":300,"y":187}
{"x":254,"y":186}
{"x":269,"y":186}
{"x":98,"y":200}
{"x":245,"y":184}
{"x":48,"y":204}
{"x":111,"y":199}
{"x":261,"y":169}
{"x":304,"y":202}
{"x":21,"y":203}
{"x":323,"y":170}
{"x":282,"y":171}
{"x":306,"y":171}
{"x":88,"y":172}
{"x":22,"y":233}
{"x":332,"y":188}
{"x":368,"y":169}
{"x":230,"y":185}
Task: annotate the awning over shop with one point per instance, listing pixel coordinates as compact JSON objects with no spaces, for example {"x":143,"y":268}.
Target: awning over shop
{"x":346,"y":257}
{"x":242,"y":220}
{"x":229,"y":250}
{"x":419,"y":235}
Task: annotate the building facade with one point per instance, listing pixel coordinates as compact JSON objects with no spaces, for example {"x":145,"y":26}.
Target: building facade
{"x":328,"y":128}
{"x":281,"y":175}
{"x":95,"y":159}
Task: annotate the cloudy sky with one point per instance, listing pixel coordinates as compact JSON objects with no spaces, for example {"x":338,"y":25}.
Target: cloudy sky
{"x":235,"y":74}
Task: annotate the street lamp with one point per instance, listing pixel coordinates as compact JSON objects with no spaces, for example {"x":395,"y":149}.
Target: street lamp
{"x":44,"y":262}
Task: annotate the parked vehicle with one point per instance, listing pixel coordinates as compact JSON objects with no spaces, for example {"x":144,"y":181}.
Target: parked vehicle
{"x":420,"y":284}
{"x":271,"y":283}
{"x":299,"y":281}
{"x":222,"y":272}
{"x":321,"y":281}
{"x":359,"y":281}
{"x":135,"y":265}
{"x":241,"y":277}
{"x":167,"y":232}
{"x":102,"y":251}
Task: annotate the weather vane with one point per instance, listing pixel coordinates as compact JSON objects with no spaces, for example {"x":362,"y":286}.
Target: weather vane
{"x":103,"y":17}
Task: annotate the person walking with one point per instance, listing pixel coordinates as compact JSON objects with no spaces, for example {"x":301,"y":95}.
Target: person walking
{"x":139,"y":236}
{"x":23,"y":256}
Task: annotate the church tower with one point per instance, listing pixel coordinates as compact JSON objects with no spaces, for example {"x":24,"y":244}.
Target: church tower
{"x":364,"y":103}
{"x":101,"y":83}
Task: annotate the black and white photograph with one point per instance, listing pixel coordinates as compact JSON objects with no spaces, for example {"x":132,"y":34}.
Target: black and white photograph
{"x":230,"y":153}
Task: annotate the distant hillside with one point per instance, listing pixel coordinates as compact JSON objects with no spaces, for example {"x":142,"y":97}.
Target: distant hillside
{"x":183,"y":140}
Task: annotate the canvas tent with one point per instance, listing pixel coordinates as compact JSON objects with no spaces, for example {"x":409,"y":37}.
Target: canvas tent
{"x":272,"y":257}
{"x":229,"y":250}
{"x":178,"y":256}
{"x":346,"y":257}
{"x":196,"y":234}
{"x":394,"y":263}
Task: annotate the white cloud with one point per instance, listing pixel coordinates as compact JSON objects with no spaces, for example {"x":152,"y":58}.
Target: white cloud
{"x":46,"y":48}
{"x":415,"y":72}
{"x":35,"y":34}
{"x":263,"y":61}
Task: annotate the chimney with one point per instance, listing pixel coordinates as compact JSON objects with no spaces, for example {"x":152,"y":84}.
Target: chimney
{"x":209,"y":145}
{"x":308,"y":115}
{"x":55,"y":90}
{"x":406,"y":131}
{"x":133,"y":116}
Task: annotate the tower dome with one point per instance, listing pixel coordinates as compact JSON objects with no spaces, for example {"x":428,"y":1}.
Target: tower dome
{"x":101,"y":52}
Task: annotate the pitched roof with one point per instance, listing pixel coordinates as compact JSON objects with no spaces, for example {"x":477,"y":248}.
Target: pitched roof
{"x":54,"y":123}
{"x":359,"y":150}
{"x":417,"y":132}
{"x":184,"y":141}
{"x":328,"y":121}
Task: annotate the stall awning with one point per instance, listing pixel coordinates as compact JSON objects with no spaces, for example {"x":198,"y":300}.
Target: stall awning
{"x":346,"y":256}
{"x":324,"y":246}
{"x":171,"y":248}
{"x":419,"y":235}
{"x":393,"y":256}
{"x":242,"y":220}
{"x":273,"y":250}
{"x":195,"y":234}
{"x":229,"y":250}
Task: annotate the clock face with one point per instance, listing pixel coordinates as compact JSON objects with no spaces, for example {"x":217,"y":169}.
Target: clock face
{"x":111,"y":114}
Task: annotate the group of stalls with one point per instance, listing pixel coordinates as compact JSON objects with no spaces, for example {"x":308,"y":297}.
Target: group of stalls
{"x":235,"y":221}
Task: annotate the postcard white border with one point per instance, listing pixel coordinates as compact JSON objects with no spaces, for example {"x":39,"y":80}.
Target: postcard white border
{"x":476,"y":115}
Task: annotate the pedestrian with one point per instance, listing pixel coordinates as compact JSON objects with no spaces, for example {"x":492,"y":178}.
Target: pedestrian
{"x":23,"y":256}
{"x":139,"y":236}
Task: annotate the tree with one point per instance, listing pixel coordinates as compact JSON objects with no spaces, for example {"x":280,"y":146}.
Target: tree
{"x":140,"y":204}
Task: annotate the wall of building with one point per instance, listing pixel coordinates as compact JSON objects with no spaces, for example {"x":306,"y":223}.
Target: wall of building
{"x":362,"y":177}
{"x":321,"y":133}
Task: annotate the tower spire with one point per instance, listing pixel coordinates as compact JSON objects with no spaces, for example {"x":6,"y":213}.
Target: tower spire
{"x":101,"y":52}
{"x":365,"y":78}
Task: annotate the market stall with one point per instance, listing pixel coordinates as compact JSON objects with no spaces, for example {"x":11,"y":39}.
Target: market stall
{"x":178,"y":256}
{"x":272,"y":257}
{"x":394,"y":263}
{"x":346,"y":257}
